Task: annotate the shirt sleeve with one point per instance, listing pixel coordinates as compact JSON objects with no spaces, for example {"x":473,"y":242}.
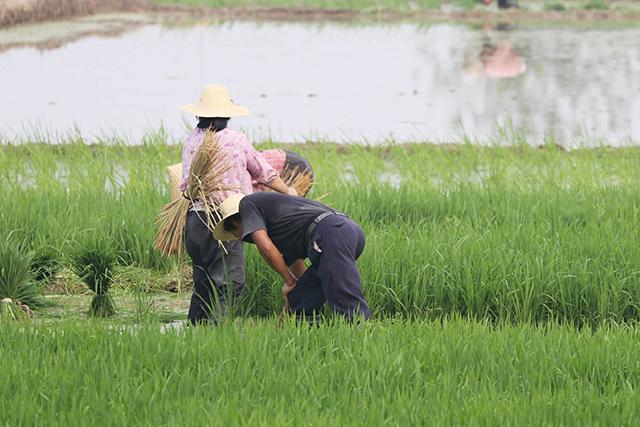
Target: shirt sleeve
{"x":252,"y":219}
{"x":259,"y":169}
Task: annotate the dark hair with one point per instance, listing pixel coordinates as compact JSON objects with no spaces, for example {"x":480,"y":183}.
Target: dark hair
{"x":214,"y":123}
{"x":229,"y":222}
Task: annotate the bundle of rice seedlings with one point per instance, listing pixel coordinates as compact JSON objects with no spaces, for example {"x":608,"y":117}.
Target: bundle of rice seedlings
{"x":12,"y":311}
{"x":45,"y":264}
{"x":301,"y":180}
{"x":207,"y":170}
{"x":94,"y":262}
{"x":16,"y":278}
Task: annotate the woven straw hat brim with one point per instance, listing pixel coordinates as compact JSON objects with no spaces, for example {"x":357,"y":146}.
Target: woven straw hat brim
{"x":221,"y":110}
{"x":228,"y":208}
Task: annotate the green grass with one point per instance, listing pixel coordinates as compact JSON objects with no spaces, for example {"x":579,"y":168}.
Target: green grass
{"x":479,"y":265}
{"x":394,"y":5}
{"x":393,"y":372}
{"x":557,"y":7}
{"x":93,"y":261}
{"x":596,"y":5}
{"x":504,"y":234}
{"x":16,"y":278}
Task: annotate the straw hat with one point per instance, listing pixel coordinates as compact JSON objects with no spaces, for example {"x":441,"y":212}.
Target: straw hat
{"x":215,"y":102}
{"x":228,"y":208}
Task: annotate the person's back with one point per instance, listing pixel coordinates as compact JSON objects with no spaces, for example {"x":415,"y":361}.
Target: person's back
{"x":285,"y":218}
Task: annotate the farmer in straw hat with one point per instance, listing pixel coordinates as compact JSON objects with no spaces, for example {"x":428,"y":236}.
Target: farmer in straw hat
{"x":287,"y":230}
{"x":212,"y":268}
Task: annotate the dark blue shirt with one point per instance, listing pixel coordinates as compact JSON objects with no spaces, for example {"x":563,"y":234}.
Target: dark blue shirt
{"x":286,"y":220}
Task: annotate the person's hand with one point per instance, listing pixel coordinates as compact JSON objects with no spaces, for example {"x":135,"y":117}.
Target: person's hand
{"x":292,"y":191}
{"x":287,"y":288}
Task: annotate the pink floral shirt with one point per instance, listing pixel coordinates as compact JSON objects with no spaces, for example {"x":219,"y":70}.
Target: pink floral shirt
{"x":246,"y":163}
{"x":277,"y":159}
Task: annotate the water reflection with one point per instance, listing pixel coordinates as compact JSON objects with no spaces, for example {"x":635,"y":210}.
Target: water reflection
{"x":498,"y":59}
{"x":375,"y":83}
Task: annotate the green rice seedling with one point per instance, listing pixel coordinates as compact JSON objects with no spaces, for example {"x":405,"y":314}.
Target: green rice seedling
{"x":556,"y":7}
{"x":94,"y":261}
{"x":11,"y":311}
{"x":45,"y":264}
{"x":145,"y":306}
{"x":597,"y":5}
{"x":262,"y":295}
{"x":16,"y":279}
{"x":393,"y":372}
{"x":466,"y":4}
{"x":498,"y":233}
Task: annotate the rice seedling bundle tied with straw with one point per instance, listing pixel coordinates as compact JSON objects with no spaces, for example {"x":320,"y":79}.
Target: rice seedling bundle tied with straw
{"x":94,"y":263}
{"x":298,"y":179}
{"x":18,"y":290}
{"x":208,"y":168}
{"x":11,"y":310}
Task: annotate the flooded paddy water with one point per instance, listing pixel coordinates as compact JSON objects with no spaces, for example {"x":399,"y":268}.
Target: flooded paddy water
{"x":330,"y":81}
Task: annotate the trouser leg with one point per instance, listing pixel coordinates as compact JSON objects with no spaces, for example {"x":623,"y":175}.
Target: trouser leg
{"x":234,"y":262}
{"x":341,"y":242}
{"x":218,"y":277}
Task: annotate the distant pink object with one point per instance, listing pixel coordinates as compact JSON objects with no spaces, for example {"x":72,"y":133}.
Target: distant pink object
{"x":246,"y":163}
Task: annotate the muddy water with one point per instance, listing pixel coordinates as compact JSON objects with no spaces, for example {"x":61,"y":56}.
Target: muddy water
{"x":401,"y":82}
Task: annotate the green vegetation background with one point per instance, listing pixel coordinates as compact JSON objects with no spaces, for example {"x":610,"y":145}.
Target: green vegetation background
{"x":503,"y":280}
{"x":516,"y":234}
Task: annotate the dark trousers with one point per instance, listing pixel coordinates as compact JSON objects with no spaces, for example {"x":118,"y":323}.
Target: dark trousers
{"x":333,"y":276}
{"x":218,"y":277}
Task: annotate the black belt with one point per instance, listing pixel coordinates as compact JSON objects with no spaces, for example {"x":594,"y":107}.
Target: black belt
{"x":319,"y":218}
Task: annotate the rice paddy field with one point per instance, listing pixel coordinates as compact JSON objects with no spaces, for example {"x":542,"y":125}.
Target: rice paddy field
{"x":504,"y":283}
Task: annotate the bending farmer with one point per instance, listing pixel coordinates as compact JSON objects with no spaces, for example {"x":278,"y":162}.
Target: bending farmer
{"x":288,"y":229}
{"x":285,"y":161}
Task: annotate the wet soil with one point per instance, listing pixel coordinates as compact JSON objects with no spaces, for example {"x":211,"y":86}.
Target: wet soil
{"x":56,"y":34}
{"x":13,"y":12}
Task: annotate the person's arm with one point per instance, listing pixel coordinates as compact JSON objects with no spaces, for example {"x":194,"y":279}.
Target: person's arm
{"x":278,"y":185}
{"x":274,"y":258}
{"x":263,"y":173}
